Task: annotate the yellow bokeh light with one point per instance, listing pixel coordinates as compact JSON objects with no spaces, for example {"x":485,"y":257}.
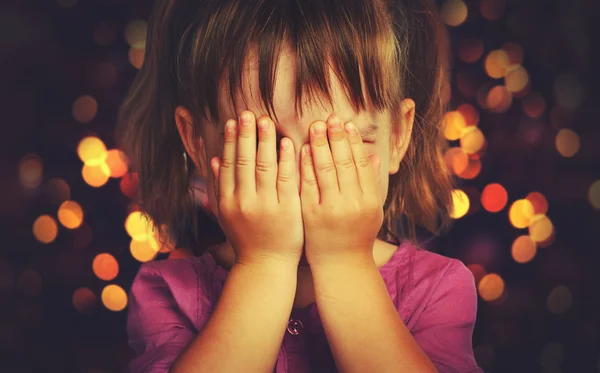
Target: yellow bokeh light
{"x":491,"y":287}
{"x":117,"y":163}
{"x":114,"y":297}
{"x":594,"y":194}
{"x":520,"y":213}
{"x":84,"y":300}
{"x":460,"y":204}
{"x":85,"y":109}
{"x":70,"y":214}
{"x":540,"y":228}
{"x":523,"y":249}
{"x":567,"y":142}
{"x":138,"y":226}
{"x":517,"y":79}
{"x":31,"y":171}
{"x":144,"y":251}
{"x":498,"y":99}
{"x":454,"y":12}
{"x":496,"y":64}
{"x":105,"y":266}
{"x":45,"y":229}
{"x":453,"y":123}
{"x":95,"y":176}
{"x":92,"y":151}
{"x":472,"y":140}
{"x":136,"y":57}
{"x":135,"y":33}
{"x":456,"y":159}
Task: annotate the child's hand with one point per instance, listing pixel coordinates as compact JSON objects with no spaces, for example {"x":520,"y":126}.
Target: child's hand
{"x":258,"y":201}
{"x":341,"y":204}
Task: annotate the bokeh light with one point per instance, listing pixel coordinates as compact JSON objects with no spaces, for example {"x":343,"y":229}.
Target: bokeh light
{"x":57,"y":191}
{"x":494,"y":197}
{"x":491,"y":287}
{"x":135,"y":33}
{"x":540,"y":228}
{"x":92,"y":151}
{"x":31,"y":171}
{"x":594,"y":194}
{"x":492,"y":10}
{"x":114,"y":297}
{"x":129,"y":185}
{"x":144,"y":251}
{"x":469,"y":113}
{"x":517,"y":79}
{"x":514,"y":52}
{"x":456,"y":159}
{"x":472,"y":140}
{"x":84,"y":300}
{"x":523,"y":249}
{"x":70,"y":214}
{"x":96,"y":175}
{"x":454,"y":123}
{"x":460,"y":204}
{"x":85,"y":109}
{"x":499,"y":99}
{"x":139,"y":226}
{"x":454,"y":12}
{"x":539,"y":202}
{"x":136,"y":57}
{"x":116,"y":160}
{"x":470,"y":50}
{"x":567,"y":142}
{"x":559,"y":300}
{"x":478,"y":272}
{"x":472,"y":171}
{"x":496,"y":63}
{"x":45,"y":229}
{"x":520,"y":213}
{"x":105,"y":266}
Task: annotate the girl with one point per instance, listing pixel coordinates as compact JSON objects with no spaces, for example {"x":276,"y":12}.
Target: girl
{"x":291,"y":110}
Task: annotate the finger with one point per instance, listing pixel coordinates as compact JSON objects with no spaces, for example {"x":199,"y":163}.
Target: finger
{"x":342,"y":157}
{"x":266,"y":157}
{"x":245,"y":162}
{"x":287,"y":188}
{"x":227,"y":163}
{"x":365,"y":170}
{"x":309,"y":188}
{"x":214,"y":166}
{"x":323,"y":161}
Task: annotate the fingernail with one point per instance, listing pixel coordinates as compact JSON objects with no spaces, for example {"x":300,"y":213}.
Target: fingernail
{"x":263,"y":124}
{"x":246,"y":119}
{"x":350,"y":127}
{"x":319,"y":128}
{"x":230,"y":125}
{"x":335,"y":124}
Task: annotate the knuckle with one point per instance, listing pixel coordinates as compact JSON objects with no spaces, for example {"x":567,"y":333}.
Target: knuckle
{"x":327,"y":168}
{"x":243,"y":161}
{"x":283,"y":177}
{"x":345,"y":163}
{"x":264,"y":167}
{"x":312,"y":182}
{"x":226,"y":163}
{"x":364,"y":161}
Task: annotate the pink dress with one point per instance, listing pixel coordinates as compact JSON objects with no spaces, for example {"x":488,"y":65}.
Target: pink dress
{"x":435,"y":296}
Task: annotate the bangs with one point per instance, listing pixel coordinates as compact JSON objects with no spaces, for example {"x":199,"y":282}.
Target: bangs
{"x":354,"y":38}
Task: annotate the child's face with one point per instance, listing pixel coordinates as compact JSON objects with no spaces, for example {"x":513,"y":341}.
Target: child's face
{"x":389,"y":142}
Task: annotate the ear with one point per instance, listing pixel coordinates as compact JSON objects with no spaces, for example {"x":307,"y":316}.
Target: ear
{"x":194,"y":145}
{"x":401,"y":134}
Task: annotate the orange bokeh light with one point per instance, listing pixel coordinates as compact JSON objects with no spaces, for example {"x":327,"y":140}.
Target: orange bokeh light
{"x":454,"y":123}
{"x":491,"y":287}
{"x":84,"y":300}
{"x":523,"y":249}
{"x":538,"y":201}
{"x":496,"y":64}
{"x":114,"y":297}
{"x":494,"y":197}
{"x":45,"y":229}
{"x":116,"y":160}
{"x":95,"y":176}
{"x":70,"y":214}
{"x":85,"y":109}
{"x":469,"y":113}
{"x":105,"y":266}
{"x":472,"y":170}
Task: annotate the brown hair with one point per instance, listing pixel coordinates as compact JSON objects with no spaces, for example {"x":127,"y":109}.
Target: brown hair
{"x":196,"y":47}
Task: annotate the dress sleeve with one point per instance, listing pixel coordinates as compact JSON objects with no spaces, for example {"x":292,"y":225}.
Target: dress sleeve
{"x":157,"y":328}
{"x":445,"y":329}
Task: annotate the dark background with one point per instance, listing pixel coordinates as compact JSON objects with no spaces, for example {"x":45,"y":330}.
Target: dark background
{"x":53,"y":52}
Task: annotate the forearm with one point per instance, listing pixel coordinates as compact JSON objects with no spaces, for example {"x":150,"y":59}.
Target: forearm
{"x":246,"y":329}
{"x":362,"y":325}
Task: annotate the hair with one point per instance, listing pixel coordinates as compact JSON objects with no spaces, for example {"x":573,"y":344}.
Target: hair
{"x":194,"y":48}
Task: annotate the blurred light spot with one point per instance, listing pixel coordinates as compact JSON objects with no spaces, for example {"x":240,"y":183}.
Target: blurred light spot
{"x":139,"y":226}
{"x":568,"y":91}
{"x":470,"y":50}
{"x":7,"y":274}
{"x":472,"y":171}
{"x":144,"y":251}
{"x":105,"y":266}
{"x":496,"y":64}
{"x":484,"y":355}
{"x":567,"y":143}
{"x":514,"y":52}
{"x":594,"y":194}
{"x":472,"y":140}
{"x":67,"y":3}
{"x":538,"y":201}
{"x":31,"y":171}
{"x":85,"y":109}
{"x":559,"y":300}
{"x":135,"y":33}
{"x":520,"y":213}
{"x":453,"y":123}
{"x":136,"y":57}
{"x":84,"y":300}
{"x":129,"y":185}
{"x":116,"y":160}
{"x":95,"y":176}
{"x":493,"y":9}
{"x":454,"y":12}
{"x":70,"y":214}
{"x":57,"y":191}
{"x":540,"y":228}
{"x":499,"y":99}
{"x":478,"y":272}
{"x":469,"y":113}
{"x":105,"y":33}
{"x":29,"y":283}
{"x":456,"y":159}
{"x":45,"y":229}
{"x":517,"y":79}
{"x":549,"y":241}
{"x":82,"y":236}
{"x":180,"y":254}
{"x":92,"y":151}
{"x":114,"y":297}
{"x":523,"y":249}
{"x":534,"y":105}
{"x":491,"y":287}
{"x":460,"y":204}
{"x":552,"y":354}
{"x":494,"y":197}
